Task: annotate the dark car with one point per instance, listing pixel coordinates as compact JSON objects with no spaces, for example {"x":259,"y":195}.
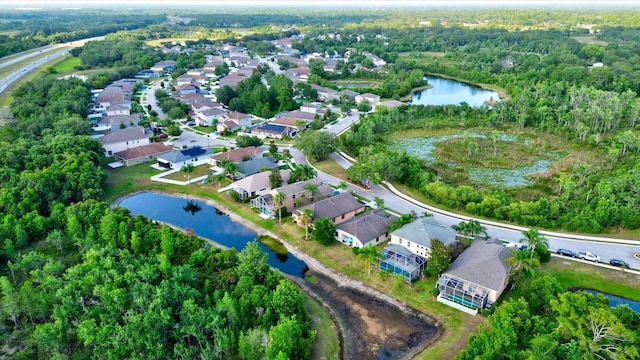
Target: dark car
{"x":566,"y":252}
{"x":619,"y":263}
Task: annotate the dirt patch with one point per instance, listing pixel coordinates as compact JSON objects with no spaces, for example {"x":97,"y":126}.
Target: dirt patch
{"x":367,"y":321}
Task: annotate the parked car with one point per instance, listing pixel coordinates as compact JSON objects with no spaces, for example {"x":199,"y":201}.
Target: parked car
{"x":163,"y":136}
{"x":565,"y":252}
{"x":191,"y":123}
{"x":585,"y":255}
{"x":619,"y":263}
{"x":516,"y":245}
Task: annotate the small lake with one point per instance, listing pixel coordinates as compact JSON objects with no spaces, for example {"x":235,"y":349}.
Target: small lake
{"x":616,"y":300}
{"x":207,"y":222}
{"x":451,"y":92}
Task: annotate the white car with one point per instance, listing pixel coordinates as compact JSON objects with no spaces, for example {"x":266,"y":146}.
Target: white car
{"x":585,"y":255}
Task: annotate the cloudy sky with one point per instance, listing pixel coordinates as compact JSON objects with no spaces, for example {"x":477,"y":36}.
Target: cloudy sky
{"x":311,"y":3}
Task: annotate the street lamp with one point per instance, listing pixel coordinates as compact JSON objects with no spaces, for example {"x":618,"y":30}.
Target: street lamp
{"x":207,"y":141}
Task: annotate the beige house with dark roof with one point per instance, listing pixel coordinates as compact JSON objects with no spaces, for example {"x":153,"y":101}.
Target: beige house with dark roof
{"x":296,"y":195}
{"x":370,"y":228}
{"x":477,"y":278}
{"x":235,"y":155}
{"x":123,"y":139}
{"x":417,"y":235}
{"x":257,"y":184}
{"x":338,"y":208}
{"x":142,"y":154}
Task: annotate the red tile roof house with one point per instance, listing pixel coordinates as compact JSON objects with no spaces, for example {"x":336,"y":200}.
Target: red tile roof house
{"x":297,"y":194}
{"x":120,"y":140}
{"x":235,"y":155}
{"x":370,"y":228}
{"x":338,"y":208}
{"x":142,"y":154}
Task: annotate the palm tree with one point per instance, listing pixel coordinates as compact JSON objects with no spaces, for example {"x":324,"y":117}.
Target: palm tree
{"x":286,"y":156}
{"x":475,"y":228}
{"x":534,"y":239}
{"x":188,"y":169}
{"x":313,"y":189}
{"x":368,"y":254}
{"x":230,"y":168}
{"x":342,"y":186}
{"x":520,"y":265}
{"x":306,"y":218}
{"x":278,"y":201}
{"x":306,"y":172}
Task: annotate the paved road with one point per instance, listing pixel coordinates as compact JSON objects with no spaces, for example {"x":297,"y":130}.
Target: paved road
{"x":39,"y":59}
{"x":149,"y":97}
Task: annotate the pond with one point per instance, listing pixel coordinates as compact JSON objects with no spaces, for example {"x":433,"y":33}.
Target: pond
{"x":616,"y":300}
{"x":424,"y":148}
{"x":452,"y":92}
{"x":208,"y":222}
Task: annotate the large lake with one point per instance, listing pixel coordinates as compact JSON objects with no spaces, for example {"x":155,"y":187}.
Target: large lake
{"x":207,"y":222}
{"x":451,"y":92}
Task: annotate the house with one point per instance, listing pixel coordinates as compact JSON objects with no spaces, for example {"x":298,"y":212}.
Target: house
{"x":118,"y":110}
{"x":397,"y":259}
{"x":272,"y":131}
{"x":111,"y":94}
{"x":348,"y":95}
{"x":142,"y":154}
{"x":310,"y":107}
{"x":338,"y":208}
{"x":116,"y":120}
{"x":165,"y":65}
{"x":390,"y":104}
{"x":325,"y":94}
{"x":123,"y":139}
{"x":296,"y":194}
{"x":184,"y":79}
{"x":417,"y":235}
{"x":295,"y":124}
{"x":233,"y":121}
{"x":256,"y":165}
{"x":209,"y":117}
{"x":178,"y":158}
{"x":257,"y":184}
{"x":373,"y":99}
{"x":364,"y":229}
{"x":477,"y":278}
{"x":231,"y":80}
{"x":235,"y":155}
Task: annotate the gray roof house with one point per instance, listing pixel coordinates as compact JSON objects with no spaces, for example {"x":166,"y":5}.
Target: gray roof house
{"x":177,"y":158}
{"x":417,"y":235}
{"x":255,"y":165}
{"x":477,"y":278}
{"x":123,"y":139}
{"x":364,"y":229}
{"x":257,"y":184}
{"x":297,"y":194}
{"x":338,"y":208}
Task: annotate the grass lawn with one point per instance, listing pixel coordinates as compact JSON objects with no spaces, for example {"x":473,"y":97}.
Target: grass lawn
{"x":326,"y":345}
{"x":201,"y":170}
{"x":590,"y":39}
{"x":329,"y":166}
{"x":67,"y":65}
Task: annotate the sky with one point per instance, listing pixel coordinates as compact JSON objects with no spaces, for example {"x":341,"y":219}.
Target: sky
{"x":312,"y":3}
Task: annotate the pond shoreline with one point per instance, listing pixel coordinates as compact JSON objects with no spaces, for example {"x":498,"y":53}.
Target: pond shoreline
{"x":342,"y":281}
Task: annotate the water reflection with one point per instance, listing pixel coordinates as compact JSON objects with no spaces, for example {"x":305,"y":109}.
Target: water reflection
{"x":192,"y":207}
{"x":451,"y":92}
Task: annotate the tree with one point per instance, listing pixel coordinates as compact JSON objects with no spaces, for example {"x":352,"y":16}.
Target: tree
{"x":286,"y":156}
{"x":278,"y":201}
{"x":368,"y":255}
{"x":439,"y":258}
{"x":379,"y":202}
{"x":273,"y":148}
{"x":521,"y":264}
{"x":534,"y":239}
{"x":275,"y":178}
{"x":252,"y":345}
{"x":10,"y":301}
{"x":316,"y":145}
{"x":188,"y":169}
{"x":230,"y":168}
{"x":244,"y":141}
{"x":306,"y":218}
{"x":324,"y":231}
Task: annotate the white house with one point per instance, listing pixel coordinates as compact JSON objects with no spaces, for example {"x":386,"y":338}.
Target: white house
{"x":371,"y":98}
{"x":365,"y":229}
{"x":120,"y":140}
{"x":417,"y":235}
{"x":209,"y":117}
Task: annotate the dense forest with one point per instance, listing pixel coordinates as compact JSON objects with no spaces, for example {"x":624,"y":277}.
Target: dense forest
{"x":83,"y":281}
{"x":24,"y":30}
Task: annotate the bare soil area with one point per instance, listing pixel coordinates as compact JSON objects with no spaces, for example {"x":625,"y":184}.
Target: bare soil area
{"x":369,"y":323}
